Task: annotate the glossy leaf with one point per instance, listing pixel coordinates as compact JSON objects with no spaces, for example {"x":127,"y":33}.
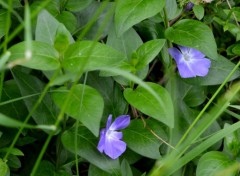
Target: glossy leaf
{"x":198,"y":11}
{"x":46,"y":168}
{"x":87,"y":149}
{"x":77,"y":6}
{"x":129,"y":13}
{"x":46,"y":112}
{"x":141,"y":139}
{"x":212,"y":163}
{"x":147,"y":103}
{"x":88,"y":14}
{"x":218,"y":72}
{"x":172,"y":8}
{"x":53,"y":7}
{"x":114,"y":102}
{"x":195,"y":95}
{"x":44,"y":56}
{"x":193,"y":34}
{"x":126,"y":43}
{"x":93,"y":171}
{"x":16,"y":109}
{"x":91,"y":55}
{"x":3,"y":16}
{"x":68,"y":19}
{"x":46,"y":28}
{"x":147,"y":52}
{"x":126,"y":169}
{"x":85,"y":104}
{"x":4,"y":170}
{"x":231,"y":143}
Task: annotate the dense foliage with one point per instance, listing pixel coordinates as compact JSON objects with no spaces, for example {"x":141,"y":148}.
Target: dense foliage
{"x":124,"y":87}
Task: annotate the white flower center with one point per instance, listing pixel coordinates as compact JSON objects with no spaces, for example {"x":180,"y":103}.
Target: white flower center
{"x":187,"y":56}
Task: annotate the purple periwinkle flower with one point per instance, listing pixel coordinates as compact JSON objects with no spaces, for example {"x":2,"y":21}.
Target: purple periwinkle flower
{"x":190,"y":62}
{"x":110,"y":139}
{"x":189,"y":6}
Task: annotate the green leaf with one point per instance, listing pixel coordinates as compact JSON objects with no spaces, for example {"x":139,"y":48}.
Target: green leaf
{"x":77,"y":6}
{"x":85,"y":104}
{"x":53,"y":7}
{"x":141,"y":139}
{"x":172,"y":8}
{"x":44,"y":56}
{"x":16,"y":109}
{"x":236,"y":49}
{"x":46,"y":28}
{"x":212,"y":163}
{"x":148,"y":51}
{"x":14,"y":151}
{"x":45,"y":168}
{"x":46,"y":112}
{"x":91,"y":55}
{"x":4,"y":170}
{"x":129,"y":12}
{"x":195,"y":34}
{"x":61,"y":40}
{"x":194,"y":95}
{"x":218,"y":72}
{"x":148,"y":104}
{"x":114,"y":102}
{"x":232,"y":143}
{"x":93,"y":171}
{"x":87,"y":149}
{"x":126,"y":43}
{"x":68,"y":19}
{"x":198,"y":11}
{"x":3,"y":17}
{"x":99,"y":11}
{"x":125,"y":168}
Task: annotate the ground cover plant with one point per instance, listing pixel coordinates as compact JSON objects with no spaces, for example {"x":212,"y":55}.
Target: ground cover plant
{"x":124,"y":87}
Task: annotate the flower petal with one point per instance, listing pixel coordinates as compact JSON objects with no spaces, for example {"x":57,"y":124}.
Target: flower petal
{"x":195,"y":54}
{"x":101,"y":143}
{"x":201,"y":66}
{"x":114,"y":135}
{"x":109,"y":121}
{"x":184,"y":49}
{"x":120,"y":122}
{"x":185,"y":70}
{"x":114,"y":147}
{"x":176,"y":55}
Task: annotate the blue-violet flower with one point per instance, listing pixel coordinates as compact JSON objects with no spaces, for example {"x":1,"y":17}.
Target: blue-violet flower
{"x":189,"y":6}
{"x":190,"y":62}
{"x":110,"y":139}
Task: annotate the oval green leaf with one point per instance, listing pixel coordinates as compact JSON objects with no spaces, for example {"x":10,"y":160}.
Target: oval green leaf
{"x":214,"y":163}
{"x":85,"y":104}
{"x":141,"y":139}
{"x":129,"y":13}
{"x":44,"y":56}
{"x":148,"y":51}
{"x":194,"y":34}
{"x":148,"y":104}
{"x":91,"y":55}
